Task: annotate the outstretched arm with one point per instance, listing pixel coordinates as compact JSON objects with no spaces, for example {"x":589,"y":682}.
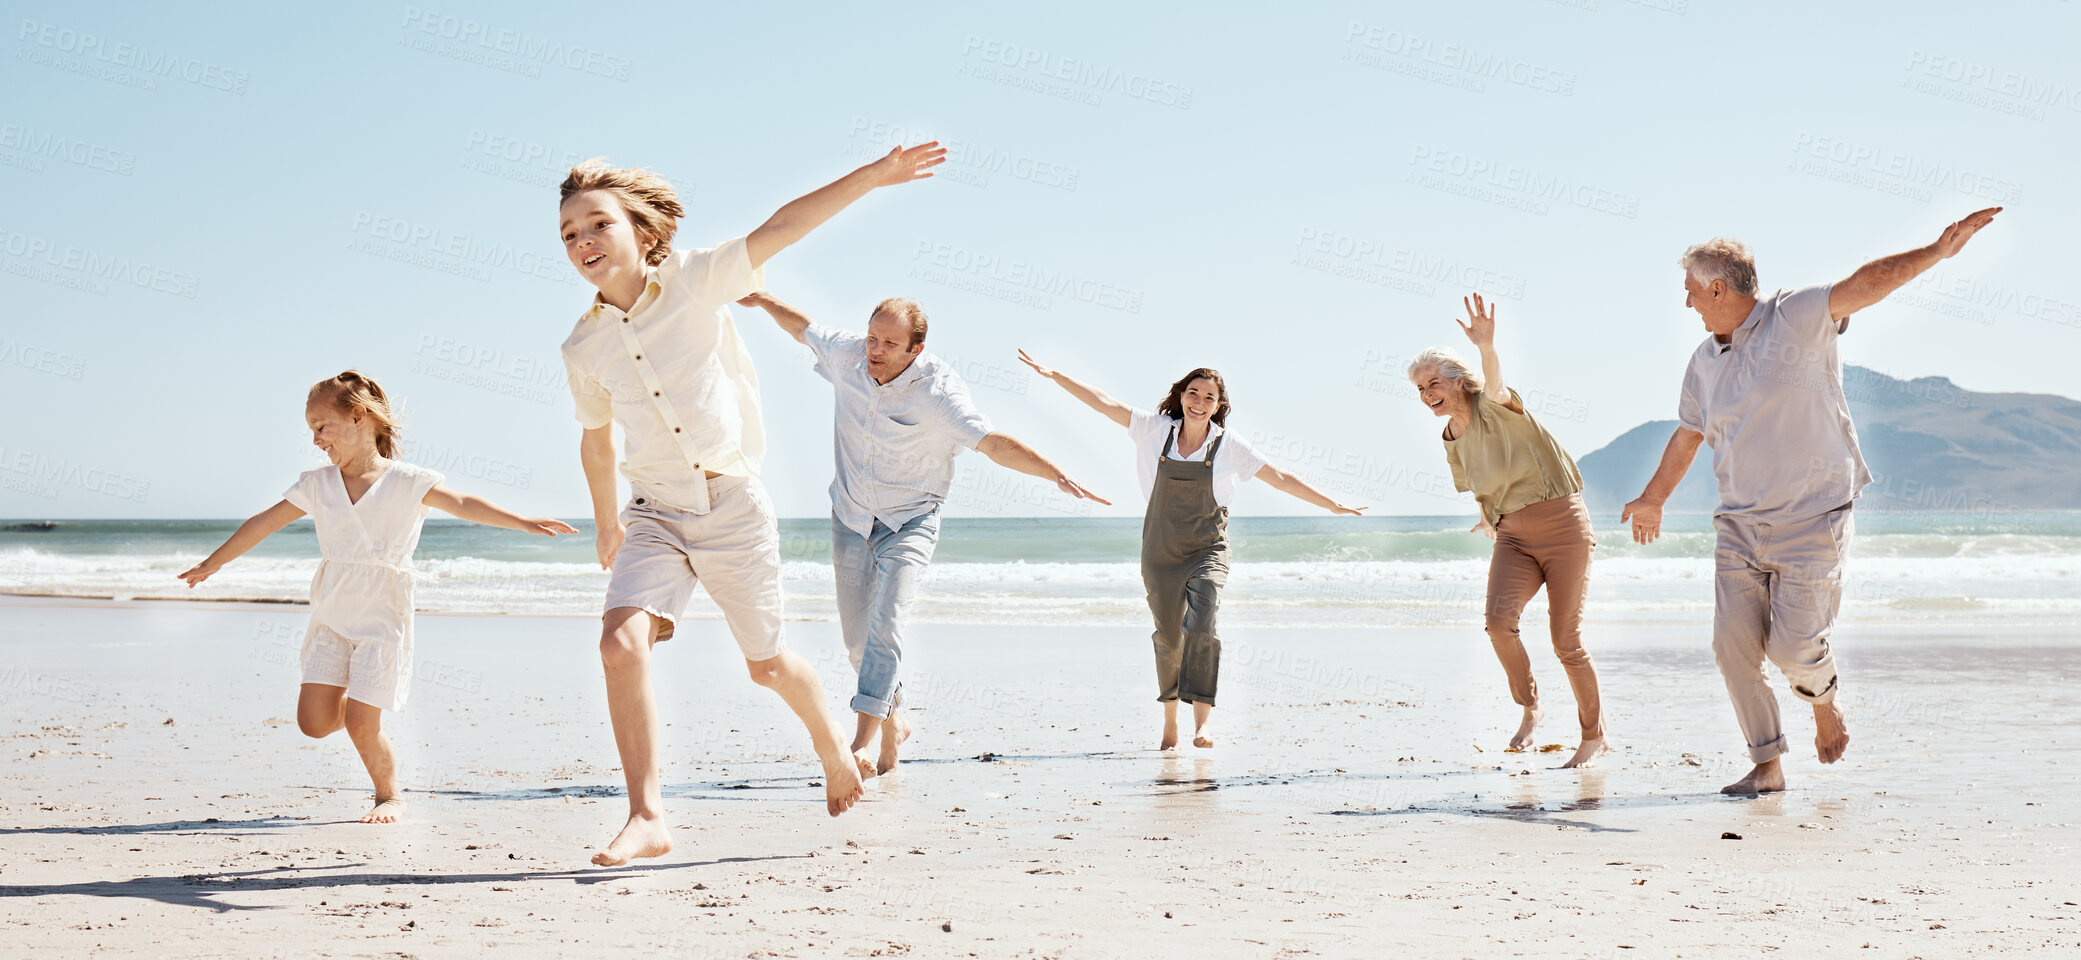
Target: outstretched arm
{"x":1289,"y":483}
{"x":1646,"y":510}
{"x":1873,"y":281}
{"x":596,"y":455}
{"x":1093,"y":397}
{"x":476,"y":509}
{"x":1481,"y":328}
{"x":248,"y":535}
{"x":1009,"y":451}
{"x":794,"y":321}
{"x":803,"y":214}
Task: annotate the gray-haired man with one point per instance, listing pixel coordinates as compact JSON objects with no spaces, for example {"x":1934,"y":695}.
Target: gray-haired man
{"x":1765,"y":391}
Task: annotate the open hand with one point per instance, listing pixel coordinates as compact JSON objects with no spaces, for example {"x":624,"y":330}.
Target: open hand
{"x":1957,"y":234}
{"x":1341,"y":510}
{"x":902,"y":165}
{"x":1482,"y":527}
{"x":1646,"y":517}
{"x":197,"y":573}
{"x":1075,"y":489}
{"x":1481,"y":321}
{"x":1047,"y":372}
{"x":547,"y":526}
{"x":755,"y":299}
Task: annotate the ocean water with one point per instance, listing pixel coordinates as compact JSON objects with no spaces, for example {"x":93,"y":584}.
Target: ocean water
{"x":1288,"y":571}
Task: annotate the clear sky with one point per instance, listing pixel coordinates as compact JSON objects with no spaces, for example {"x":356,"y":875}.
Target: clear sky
{"x":206,"y":210}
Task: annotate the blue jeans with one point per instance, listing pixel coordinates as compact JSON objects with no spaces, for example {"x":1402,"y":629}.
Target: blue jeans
{"x":877,"y":578}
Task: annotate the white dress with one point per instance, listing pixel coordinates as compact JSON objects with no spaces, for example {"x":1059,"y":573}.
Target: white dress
{"x":360,"y":636}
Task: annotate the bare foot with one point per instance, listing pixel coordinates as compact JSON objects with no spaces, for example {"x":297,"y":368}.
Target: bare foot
{"x":386,"y":810}
{"x":1831,"y":736}
{"x":864,"y":763}
{"x":1767,"y":777}
{"x":895,"y":733}
{"x":1585,"y":755}
{"x":1523,"y":738}
{"x":1201,"y":740}
{"x":640,"y":837}
{"x":1170,"y":729}
{"x":842,"y":782}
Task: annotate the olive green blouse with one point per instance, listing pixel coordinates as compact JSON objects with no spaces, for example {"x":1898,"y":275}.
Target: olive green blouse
{"x":1508,"y":460}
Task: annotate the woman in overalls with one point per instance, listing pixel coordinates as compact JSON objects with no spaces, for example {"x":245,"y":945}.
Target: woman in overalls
{"x":1189,"y":466}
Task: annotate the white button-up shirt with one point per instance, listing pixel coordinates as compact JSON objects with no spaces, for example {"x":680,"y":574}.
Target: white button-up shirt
{"x":675,"y":374}
{"x":894,"y":442}
{"x":1772,"y":407}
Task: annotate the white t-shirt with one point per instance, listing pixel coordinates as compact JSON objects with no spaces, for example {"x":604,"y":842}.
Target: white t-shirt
{"x":1236,"y":461}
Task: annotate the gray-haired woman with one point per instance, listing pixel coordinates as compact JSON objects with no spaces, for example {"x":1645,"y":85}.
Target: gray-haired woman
{"x":1531,"y":504}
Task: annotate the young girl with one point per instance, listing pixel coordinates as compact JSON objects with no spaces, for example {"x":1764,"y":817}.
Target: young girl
{"x":357,"y":655}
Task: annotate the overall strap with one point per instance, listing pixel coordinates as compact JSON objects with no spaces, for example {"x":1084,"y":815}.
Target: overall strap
{"x":1173,"y":435}
{"x":1215,"y":447}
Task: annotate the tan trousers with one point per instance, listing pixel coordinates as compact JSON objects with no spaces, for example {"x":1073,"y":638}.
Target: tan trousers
{"x":1546,"y":543}
{"x":1776,"y":590}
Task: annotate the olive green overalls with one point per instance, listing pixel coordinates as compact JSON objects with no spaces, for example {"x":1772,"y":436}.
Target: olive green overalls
{"x":1184,"y":565}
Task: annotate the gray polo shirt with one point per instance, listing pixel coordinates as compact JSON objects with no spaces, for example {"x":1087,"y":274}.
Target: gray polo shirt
{"x":1772,"y":408}
{"x":895,"y":443}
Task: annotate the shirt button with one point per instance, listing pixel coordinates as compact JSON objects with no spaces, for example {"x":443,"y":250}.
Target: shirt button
{"x":624,"y":319}
{"x":675,"y":429}
{"x":654,"y":393}
{"x":639,"y":356}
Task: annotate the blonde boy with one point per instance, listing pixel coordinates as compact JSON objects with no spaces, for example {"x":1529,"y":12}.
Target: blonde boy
{"x":657,"y":353}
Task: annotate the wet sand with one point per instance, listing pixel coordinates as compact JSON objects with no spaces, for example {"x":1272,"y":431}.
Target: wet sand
{"x":158,"y":800}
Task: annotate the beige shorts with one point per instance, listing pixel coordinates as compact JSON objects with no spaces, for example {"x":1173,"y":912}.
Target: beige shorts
{"x":733,"y":551}
{"x":375,"y":672}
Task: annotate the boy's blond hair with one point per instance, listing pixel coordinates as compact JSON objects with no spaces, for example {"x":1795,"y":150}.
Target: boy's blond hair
{"x":650,"y":202}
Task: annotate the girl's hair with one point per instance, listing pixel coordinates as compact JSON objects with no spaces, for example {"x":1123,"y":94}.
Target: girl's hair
{"x":649,"y":201}
{"x":1173,"y":405}
{"x":1450,"y":366}
{"x":353,"y":393}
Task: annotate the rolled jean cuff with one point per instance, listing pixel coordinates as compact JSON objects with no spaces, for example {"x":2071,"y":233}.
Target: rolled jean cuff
{"x":1769,"y":751}
{"x":872,"y":707}
{"x":1825,"y":697}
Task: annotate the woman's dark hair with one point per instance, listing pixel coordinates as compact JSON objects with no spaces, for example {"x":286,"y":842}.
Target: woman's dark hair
{"x":1173,"y":405}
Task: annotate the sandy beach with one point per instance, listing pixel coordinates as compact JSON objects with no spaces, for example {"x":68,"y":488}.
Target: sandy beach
{"x":159,"y":801}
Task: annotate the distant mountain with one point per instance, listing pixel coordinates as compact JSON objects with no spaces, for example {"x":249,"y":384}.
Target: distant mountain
{"x":1931,"y":446}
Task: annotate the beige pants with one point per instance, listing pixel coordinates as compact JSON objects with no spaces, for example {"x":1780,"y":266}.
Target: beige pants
{"x":1546,"y":543}
{"x":1776,"y":590}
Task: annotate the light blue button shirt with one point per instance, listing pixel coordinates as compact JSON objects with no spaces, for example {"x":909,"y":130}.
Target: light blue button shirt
{"x":894,"y":443}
